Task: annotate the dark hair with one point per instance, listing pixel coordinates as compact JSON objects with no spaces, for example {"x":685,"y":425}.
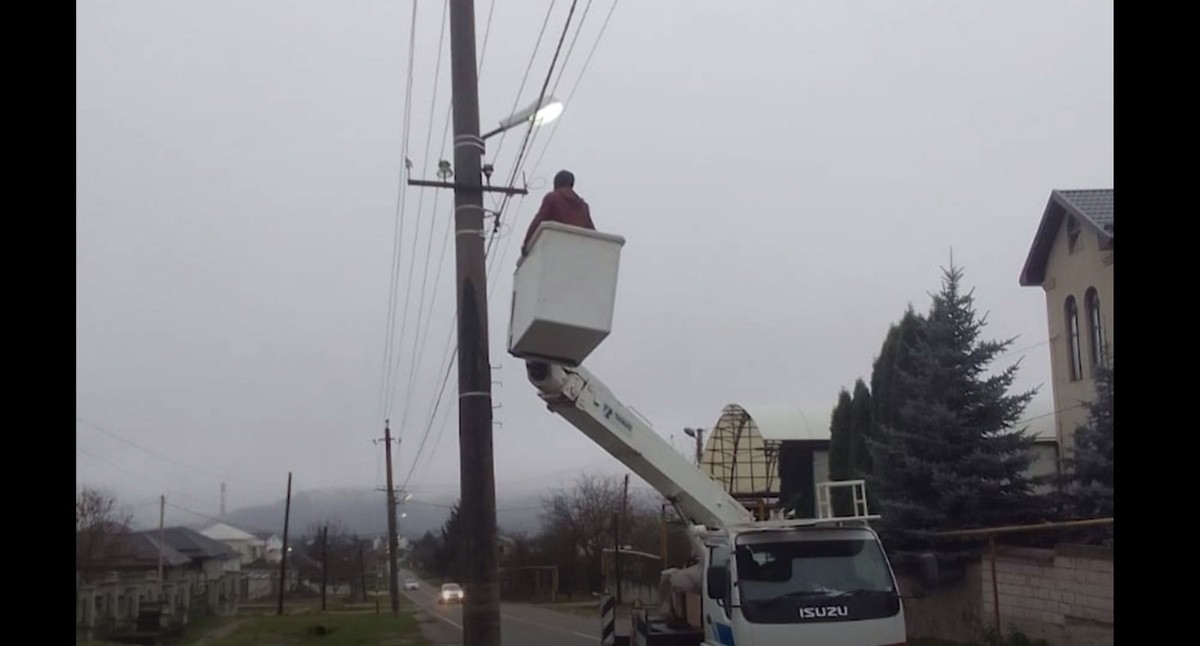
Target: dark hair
{"x":564,"y":178}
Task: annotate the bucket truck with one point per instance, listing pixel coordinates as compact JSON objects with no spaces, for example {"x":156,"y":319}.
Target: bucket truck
{"x":822,"y":580}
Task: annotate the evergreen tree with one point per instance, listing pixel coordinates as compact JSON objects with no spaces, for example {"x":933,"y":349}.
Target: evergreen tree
{"x":945,"y":453}
{"x":860,"y":431}
{"x":1090,"y":469}
{"x":895,"y":356}
{"x":840,"y":451}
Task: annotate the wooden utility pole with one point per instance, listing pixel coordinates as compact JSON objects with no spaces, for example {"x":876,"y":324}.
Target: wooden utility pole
{"x":162,"y":512}
{"x":362,"y":572}
{"x":287,"y":514}
{"x":481,"y":610}
{"x":393,"y":574}
{"x":617,"y":554}
{"x":324,"y":563}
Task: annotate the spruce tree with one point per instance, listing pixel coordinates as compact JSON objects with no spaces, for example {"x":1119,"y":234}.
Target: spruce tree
{"x":839,"y":451}
{"x":1090,"y":468}
{"x":945,"y":453}
{"x":860,"y":431}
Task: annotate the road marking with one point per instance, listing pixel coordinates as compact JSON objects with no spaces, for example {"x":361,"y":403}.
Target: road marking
{"x":432,"y":610}
{"x":554,"y":628}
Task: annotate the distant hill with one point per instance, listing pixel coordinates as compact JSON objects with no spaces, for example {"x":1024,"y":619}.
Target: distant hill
{"x":364,"y":511}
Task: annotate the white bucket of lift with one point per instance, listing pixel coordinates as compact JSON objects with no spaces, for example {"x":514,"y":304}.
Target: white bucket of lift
{"x":564,"y":292}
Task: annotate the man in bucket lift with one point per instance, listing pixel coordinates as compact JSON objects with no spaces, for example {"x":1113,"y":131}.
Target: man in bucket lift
{"x":562,"y":205}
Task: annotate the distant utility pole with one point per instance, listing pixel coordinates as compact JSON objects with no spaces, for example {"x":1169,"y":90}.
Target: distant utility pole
{"x":362,"y":571}
{"x":162,"y":512}
{"x":287,"y":515}
{"x":324,"y":563}
{"x":222,"y":501}
{"x":393,"y":574}
{"x":481,"y":610}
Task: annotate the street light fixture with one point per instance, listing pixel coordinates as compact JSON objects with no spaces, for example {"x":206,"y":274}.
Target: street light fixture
{"x":697,"y":433}
{"x":539,"y":113}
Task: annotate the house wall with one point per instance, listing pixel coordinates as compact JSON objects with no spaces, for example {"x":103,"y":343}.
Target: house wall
{"x":1071,"y":274}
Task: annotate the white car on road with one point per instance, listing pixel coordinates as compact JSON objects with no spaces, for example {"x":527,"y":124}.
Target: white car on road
{"x":411,"y":584}
{"x":451,"y":593}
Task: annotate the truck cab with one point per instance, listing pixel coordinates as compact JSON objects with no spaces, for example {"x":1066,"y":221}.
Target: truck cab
{"x":800,"y":583}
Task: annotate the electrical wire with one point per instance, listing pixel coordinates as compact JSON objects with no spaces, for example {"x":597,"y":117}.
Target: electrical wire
{"x":160,"y":456}
{"x":157,"y":484}
{"x":587,"y":62}
{"x":521,"y":89}
{"x":384,"y":405}
{"x":420,"y":203}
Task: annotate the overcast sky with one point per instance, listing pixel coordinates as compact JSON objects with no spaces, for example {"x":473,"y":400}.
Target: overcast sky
{"x":788,"y":175}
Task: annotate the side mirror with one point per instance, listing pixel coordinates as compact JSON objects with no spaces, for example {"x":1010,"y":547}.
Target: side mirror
{"x":717,"y":579}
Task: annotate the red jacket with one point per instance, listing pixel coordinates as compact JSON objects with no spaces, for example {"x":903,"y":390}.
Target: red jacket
{"x":561,"y":205}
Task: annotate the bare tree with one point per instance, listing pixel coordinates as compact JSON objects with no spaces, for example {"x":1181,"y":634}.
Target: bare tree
{"x":99,"y":523}
{"x":342,"y":557}
{"x":577,"y":525}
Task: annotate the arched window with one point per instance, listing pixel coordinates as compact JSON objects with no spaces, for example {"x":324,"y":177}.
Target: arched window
{"x":1073,"y":350}
{"x":1096,"y":341}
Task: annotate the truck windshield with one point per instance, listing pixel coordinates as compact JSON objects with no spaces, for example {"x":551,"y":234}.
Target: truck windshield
{"x":768,"y":571}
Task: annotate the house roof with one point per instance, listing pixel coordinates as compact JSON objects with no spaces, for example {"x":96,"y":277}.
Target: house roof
{"x":136,"y":550}
{"x":193,"y":544}
{"x":1092,"y":207}
{"x":226,"y":532}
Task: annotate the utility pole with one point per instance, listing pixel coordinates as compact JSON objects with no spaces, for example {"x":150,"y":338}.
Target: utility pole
{"x":287,"y":516}
{"x":481,"y":610}
{"x":162,"y":512}
{"x":620,"y":520}
{"x":324,"y":563}
{"x":617,"y":554}
{"x":362,"y":572}
{"x":222,"y":514}
{"x":393,"y":575}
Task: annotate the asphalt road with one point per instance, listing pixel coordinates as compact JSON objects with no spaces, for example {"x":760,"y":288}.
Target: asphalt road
{"x":519,"y":623}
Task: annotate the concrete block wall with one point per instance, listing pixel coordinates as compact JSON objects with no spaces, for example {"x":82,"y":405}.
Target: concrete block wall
{"x":1059,"y":595}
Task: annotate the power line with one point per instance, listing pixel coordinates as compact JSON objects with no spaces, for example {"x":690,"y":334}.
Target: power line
{"x":195,"y":513}
{"x":158,"y":455}
{"x":528,"y":68}
{"x":420,"y":208}
{"x":554,"y":129}
{"x":566,"y":59}
{"x":157,"y":484}
{"x":1053,"y":412}
{"x":487,"y":32}
{"x":578,"y":80}
{"x":541,"y":96}
{"x":384,"y":403}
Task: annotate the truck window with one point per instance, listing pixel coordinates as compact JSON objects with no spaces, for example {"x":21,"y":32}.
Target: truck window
{"x":776,"y":579}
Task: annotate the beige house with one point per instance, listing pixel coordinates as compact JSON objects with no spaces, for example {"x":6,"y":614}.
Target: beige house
{"x":1071,"y":259}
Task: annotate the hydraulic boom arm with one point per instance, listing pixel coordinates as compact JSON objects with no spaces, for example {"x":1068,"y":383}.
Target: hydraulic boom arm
{"x":590,"y":406}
